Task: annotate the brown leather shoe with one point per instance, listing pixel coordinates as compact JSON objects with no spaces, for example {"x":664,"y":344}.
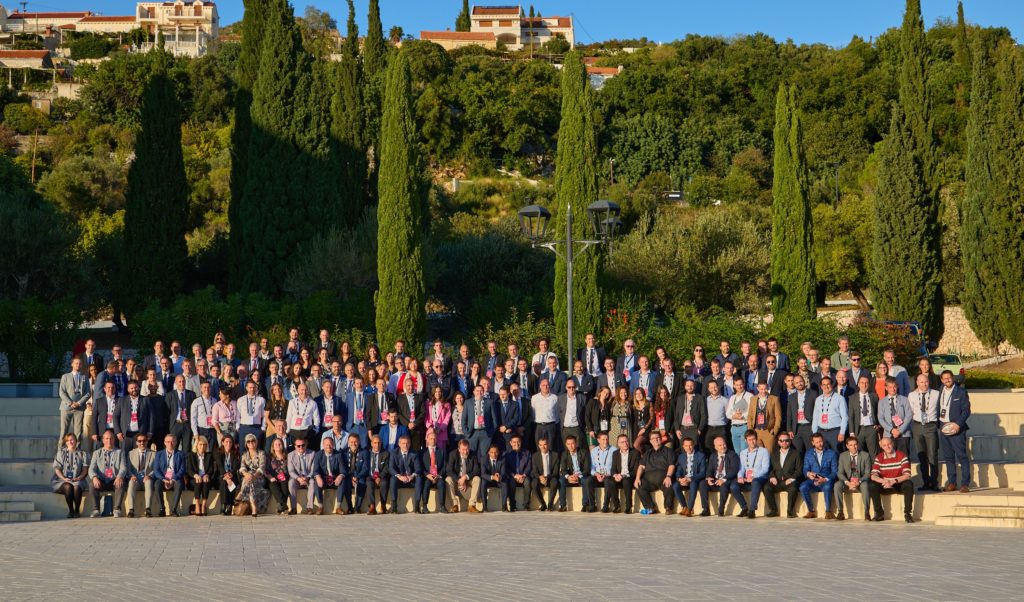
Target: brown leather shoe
{"x":339,"y":511}
{"x":455,"y":509}
{"x":829,"y":516}
{"x":319,"y":511}
{"x":949,"y":487}
{"x":840,"y":516}
{"x":682,"y":512}
{"x":372,"y":511}
{"x":472,"y":509}
{"x":811,"y":514}
{"x":965,"y":489}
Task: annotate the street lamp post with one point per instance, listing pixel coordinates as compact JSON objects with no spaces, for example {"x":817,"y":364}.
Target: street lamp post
{"x":604,"y":221}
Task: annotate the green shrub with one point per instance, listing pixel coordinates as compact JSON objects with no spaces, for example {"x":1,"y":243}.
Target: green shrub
{"x":523,"y":332}
{"x":91,"y":47}
{"x":980,"y":379}
{"x":35,"y":335}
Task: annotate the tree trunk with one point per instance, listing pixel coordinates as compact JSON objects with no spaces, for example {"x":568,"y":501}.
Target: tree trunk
{"x":861,"y":299}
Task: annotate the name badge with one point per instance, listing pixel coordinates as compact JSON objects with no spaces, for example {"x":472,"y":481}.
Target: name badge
{"x":359,"y":415}
{"x":135,"y":416}
{"x":183,"y":416}
{"x":661,"y":424}
{"x":479,"y":420}
{"x":110,"y":418}
{"x":749,"y":474}
{"x":760,"y":417}
{"x":109,"y":472}
{"x":328,"y":418}
{"x":623,"y":423}
{"x":687,"y":420}
{"x":412,"y":415}
{"x":383,"y":416}
{"x":604,"y":425}
{"x":202,"y":473}
{"x":169,"y":474}
{"x":800,"y":416}
{"x":209,"y":421}
{"x":280,"y":476}
{"x":824,"y":418}
{"x":897,"y":421}
{"x":298,"y":421}
{"x":942,"y":415}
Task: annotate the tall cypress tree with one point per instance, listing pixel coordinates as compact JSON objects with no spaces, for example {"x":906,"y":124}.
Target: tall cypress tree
{"x":1006,"y":210}
{"x":156,"y":197}
{"x":464,"y":22}
{"x":401,"y":299}
{"x":906,"y":276}
{"x":245,"y":75}
{"x":981,"y":254}
{"x":576,"y":187}
{"x":374,"y":47}
{"x":347,"y":122}
{"x":277,"y":211}
{"x":793,"y":278}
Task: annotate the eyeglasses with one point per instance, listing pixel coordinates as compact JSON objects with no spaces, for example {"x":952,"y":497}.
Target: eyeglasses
{"x":628,"y":346}
{"x":854,"y":359}
{"x":770,"y":362}
{"x":698,"y":350}
{"x":299,"y":446}
{"x":783,"y":440}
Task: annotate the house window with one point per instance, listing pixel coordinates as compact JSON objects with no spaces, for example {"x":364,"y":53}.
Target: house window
{"x":486,"y":23}
{"x":505,"y":23}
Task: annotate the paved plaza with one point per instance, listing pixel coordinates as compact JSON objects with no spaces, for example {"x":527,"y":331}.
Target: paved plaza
{"x":501,"y":557}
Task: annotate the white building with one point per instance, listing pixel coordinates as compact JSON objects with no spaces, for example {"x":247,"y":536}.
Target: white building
{"x":514,"y":29}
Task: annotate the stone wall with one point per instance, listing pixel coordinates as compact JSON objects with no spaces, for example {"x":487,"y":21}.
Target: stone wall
{"x":960,"y":339}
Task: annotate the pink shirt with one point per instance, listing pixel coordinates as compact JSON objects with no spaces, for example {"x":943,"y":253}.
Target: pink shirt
{"x":222,"y":414}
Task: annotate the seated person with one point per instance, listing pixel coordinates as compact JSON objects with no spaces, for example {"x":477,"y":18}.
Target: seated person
{"x":432,"y":459}
{"x":357,"y":470}
{"x":574,"y":471}
{"x":723,"y":466}
{"x":625,"y":465}
{"x":854,"y":475}
{"x":784,"y":476}
{"x":199,"y":470}
{"x":169,"y":472}
{"x":493,"y":475}
{"x":890,"y":473}
{"x":328,"y":474}
{"x":107,"y":471}
{"x":462,"y":477}
{"x":405,"y":474}
{"x":656,"y":467}
{"x":545,"y":467}
{"x":140,"y":474}
{"x":753,"y":474}
{"x":820,"y":468}
{"x":518,"y":467}
{"x":301,"y":470}
{"x":226,"y":462}
{"x":70,"y":467}
{"x":601,"y":469}
{"x":691,"y":469}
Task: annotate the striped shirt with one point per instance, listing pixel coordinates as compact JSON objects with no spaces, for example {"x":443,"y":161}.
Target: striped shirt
{"x":891,"y":467}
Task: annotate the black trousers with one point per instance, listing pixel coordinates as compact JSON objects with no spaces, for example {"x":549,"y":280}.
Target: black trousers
{"x":867,"y":437}
{"x":771,"y":502}
{"x":538,"y":490}
{"x":802,"y":439}
{"x":723,"y":492}
{"x":613,"y":488}
{"x":202,"y":490}
{"x":377,"y":493}
{"x":654,"y":481}
{"x":877,"y":491}
{"x":527,"y":486}
{"x":279,"y":489}
{"x":227,"y":498}
{"x":549,"y":431}
{"x":182,"y":435}
{"x":715,"y":431}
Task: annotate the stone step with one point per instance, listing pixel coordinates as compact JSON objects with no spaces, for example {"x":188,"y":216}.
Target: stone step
{"x":984,"y":474}
{"x":8,"y":516}
{"x":16,"y":506}
{"x":1003,"y":423}
{"x":991,"y":511}
{"x":1006,"y":448}
{"x":27,"y":425}
{"x":27,"y":446}
{"x":26,"y":471}
{"x":990,"y":522}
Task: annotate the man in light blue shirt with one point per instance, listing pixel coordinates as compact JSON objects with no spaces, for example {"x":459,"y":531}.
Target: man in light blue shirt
{"x":830,"y":415}
{"x":601,"y":469}
{"x":755,"y":463}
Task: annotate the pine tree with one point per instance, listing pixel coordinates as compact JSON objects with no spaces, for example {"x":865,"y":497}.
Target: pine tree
{"x":981,"y":254}
{"x":374,"y":61}
{"x":1006,"y":210}
{"x":401,"y":298}
{"x":374,"y":47}
{"x":907,"y":253}
{"x":245,"y":75}
{"x":347,"y":123}
{"x":156,"y":197}
{"x":576,"y":187}
{"x":793,"y":278}
{"x":464,"y":22}
{"x":277,"y":211}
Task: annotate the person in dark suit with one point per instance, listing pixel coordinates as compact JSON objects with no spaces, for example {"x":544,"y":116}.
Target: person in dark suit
{"x":856,"y":371}
{"x":785,"y":474}
{"x":134,"y":416}
{"x":611,"y":378}
{"x":324,"y":342}
{"x":492,"y":359}
{"x":862,"y":410}
{"x":722,"y":468}
{"x":772,"y":375}
{"x":226,"y":462}
{"x":525,"y":378}
{"x":411,"y":414}
{"x":357,"y":471}
{"x":555,"y":377}
{"x":179,"y":404}
{"x":573,"y":471}
{"x":153,"y":361}
{"x":821,"y":466}
{"x":670,"y":379}
{"x":627,"y":363}
{"x":379,"y":468}
{"x":718,"y":377}
{"x":105,"y":413}
{"x":329,"y":472}
{"x":691,"y":470}
{"x":433,"y":460}
{"x":507,"y":418}
{"x":954,"y":410}
{"x":462,"y":477}
{"x":591,"y":356}
{"x":254,"y":362}
{"x":200,"y":471}
{"x":799,"y":413}
{"x":625,"y":467}
{"x":169,"y":474}
{"x":392,"y":432}
{"x":492,"y":474}
{"x":518,"y":471}
{"x":546,"y":465}
{"x":586,"y":384}
{"x":90,"y":357}
{"x":406,"y":473}
{"x":690,"y":414}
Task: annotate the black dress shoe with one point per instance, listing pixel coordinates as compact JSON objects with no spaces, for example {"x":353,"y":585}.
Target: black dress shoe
{"x":628,"y":511}
{"x":791,"y":515}
{"x":562,"y":509}
{"x":424,"y":510}
{"x":705,"y":512}
{"x":751,"y":514}
{"x":131,"y":513}
{"x":771,"y":515}
{"x":742,"y":514}
{"x":878,"y":518}
{"x":604,"y":510}
{"x":909,"y":518}
{"x":293,"y":512}
{"x":616,"y":510}
{"x":148,"y":514}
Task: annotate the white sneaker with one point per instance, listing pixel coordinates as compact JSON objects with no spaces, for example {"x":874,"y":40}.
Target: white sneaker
{"x":95,"y":514}
{"x":117,"y":514}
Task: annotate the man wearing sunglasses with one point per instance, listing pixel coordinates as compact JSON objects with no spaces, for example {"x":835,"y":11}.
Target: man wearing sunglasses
{"x":784,"y":475}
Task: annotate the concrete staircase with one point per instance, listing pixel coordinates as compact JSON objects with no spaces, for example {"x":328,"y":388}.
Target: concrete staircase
{"x":29,"y":427}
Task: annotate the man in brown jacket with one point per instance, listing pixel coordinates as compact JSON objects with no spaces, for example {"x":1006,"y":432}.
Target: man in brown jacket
{"x":765,"y":416}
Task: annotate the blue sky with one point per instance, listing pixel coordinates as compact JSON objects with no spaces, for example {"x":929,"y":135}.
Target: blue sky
{"x":833,"y":22}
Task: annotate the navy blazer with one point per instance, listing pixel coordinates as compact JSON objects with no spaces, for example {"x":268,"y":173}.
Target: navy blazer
{"x":160,"y":465}
{"x":362,"y":469}
{"x":99,"y":416}
{"x":557,"y":381}
{"x":338,"y":467}
{"x":510,"y":416}
{"x":124,"y":414}
{"x":518,"y":462}
{"x":337,"y":407}
{"x":387,"y":445}
{"x":440,"y":458}
{"x":349,"y":406}
{"x":732,"y":465}
{"x":700,"y":466}
{"x":829,"y":466}
{"x":488,"y":469}
{"x":172,"y":398}
{"x":959,"y":407}
{"x":410,"y":466}
{"x":469,"y":417}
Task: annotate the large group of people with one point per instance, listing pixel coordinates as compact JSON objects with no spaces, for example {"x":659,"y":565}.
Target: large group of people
{"x":314,"y":416}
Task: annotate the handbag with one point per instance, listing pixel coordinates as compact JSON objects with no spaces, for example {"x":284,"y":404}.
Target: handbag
{"x":243,"y":508}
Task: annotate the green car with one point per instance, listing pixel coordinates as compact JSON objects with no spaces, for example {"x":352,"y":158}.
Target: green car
{"x":948,"y":361}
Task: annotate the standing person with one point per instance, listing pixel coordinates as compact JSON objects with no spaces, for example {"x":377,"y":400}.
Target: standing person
{"x":661,"y":409}
{"x":226,"y":466}
{"x":507,"y":418}
{"x":798,"y":417}
{"x":179,"y":403}
{"x":739,"y":407}
{"x":199,"y":468}
{"x":954,"y":410}
{"x":107,"y":471}
{"x":787,"y":466}
{"x":691,"y":414}
{"x":598,"y":415}
{"x":863,"y":413}
{"x":134,"y":417}
{"x":303,"y":415}
{"x":438,"y":417}
{"x":225,"y":417}
{"x":571,"y":406}
{"x":924,"y":403}
{"x":545,"y":409}
{"x":251,"y":410}
{"x":830,"y":419}
{"x":169,"y":474}
{"x":895,"y":416}
{"x":718,"y":416}
{"x":70,"y":467}
{"x":643,"y":420}
{"x":140,"y":474}
{"x":621,"y":416}
{"x":655,"y":473}
{"x":765,"y":417}
{"x":854,"y":466}
{"x":890,"y":473}
{"x":74,"y":396}
{"x":202,"y":414}
{"x":360,"y":413}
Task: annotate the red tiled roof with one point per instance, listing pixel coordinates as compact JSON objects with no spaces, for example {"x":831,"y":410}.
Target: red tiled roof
{"x":496,"y":10}
{"x":475,"y":36}
{"x":67,"y":26}
{"x":24,"y":54}
{"x":112,"y":19}
{"x":602,"y":70}
{"x":63,"y":15}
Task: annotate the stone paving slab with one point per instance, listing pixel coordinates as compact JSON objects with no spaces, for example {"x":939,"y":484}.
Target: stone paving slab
{"x":523,"y":556}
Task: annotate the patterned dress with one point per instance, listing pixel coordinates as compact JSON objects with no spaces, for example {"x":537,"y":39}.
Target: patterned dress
{"x":620,"y":417}
{"x":255,"y":488}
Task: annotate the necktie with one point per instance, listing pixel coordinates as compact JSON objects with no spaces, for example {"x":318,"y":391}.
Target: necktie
{"x":864,"y":405}
{"x":433,"y":463}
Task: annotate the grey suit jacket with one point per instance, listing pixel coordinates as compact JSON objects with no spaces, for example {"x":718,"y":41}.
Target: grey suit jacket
{"x":295,"y":465}
{"x":846,"y":464}
{"x":135,"y":466}
{"x":885,"y":415}
{"x":70,"y":394}
{"x":101,"y":458}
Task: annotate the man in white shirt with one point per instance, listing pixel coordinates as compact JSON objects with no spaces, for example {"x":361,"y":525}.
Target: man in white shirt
{"x":545,"y":470}
{"x":739,"y":406}
{"x":542,"y":355}
{"x":924,"y":403}
{"x":202,"y":414}
{"x":545,"y":410}
{"x":625,"y":464}
{"x":570,"y":414}
{"x":303,"y":415}
{"x":250,"y":413}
